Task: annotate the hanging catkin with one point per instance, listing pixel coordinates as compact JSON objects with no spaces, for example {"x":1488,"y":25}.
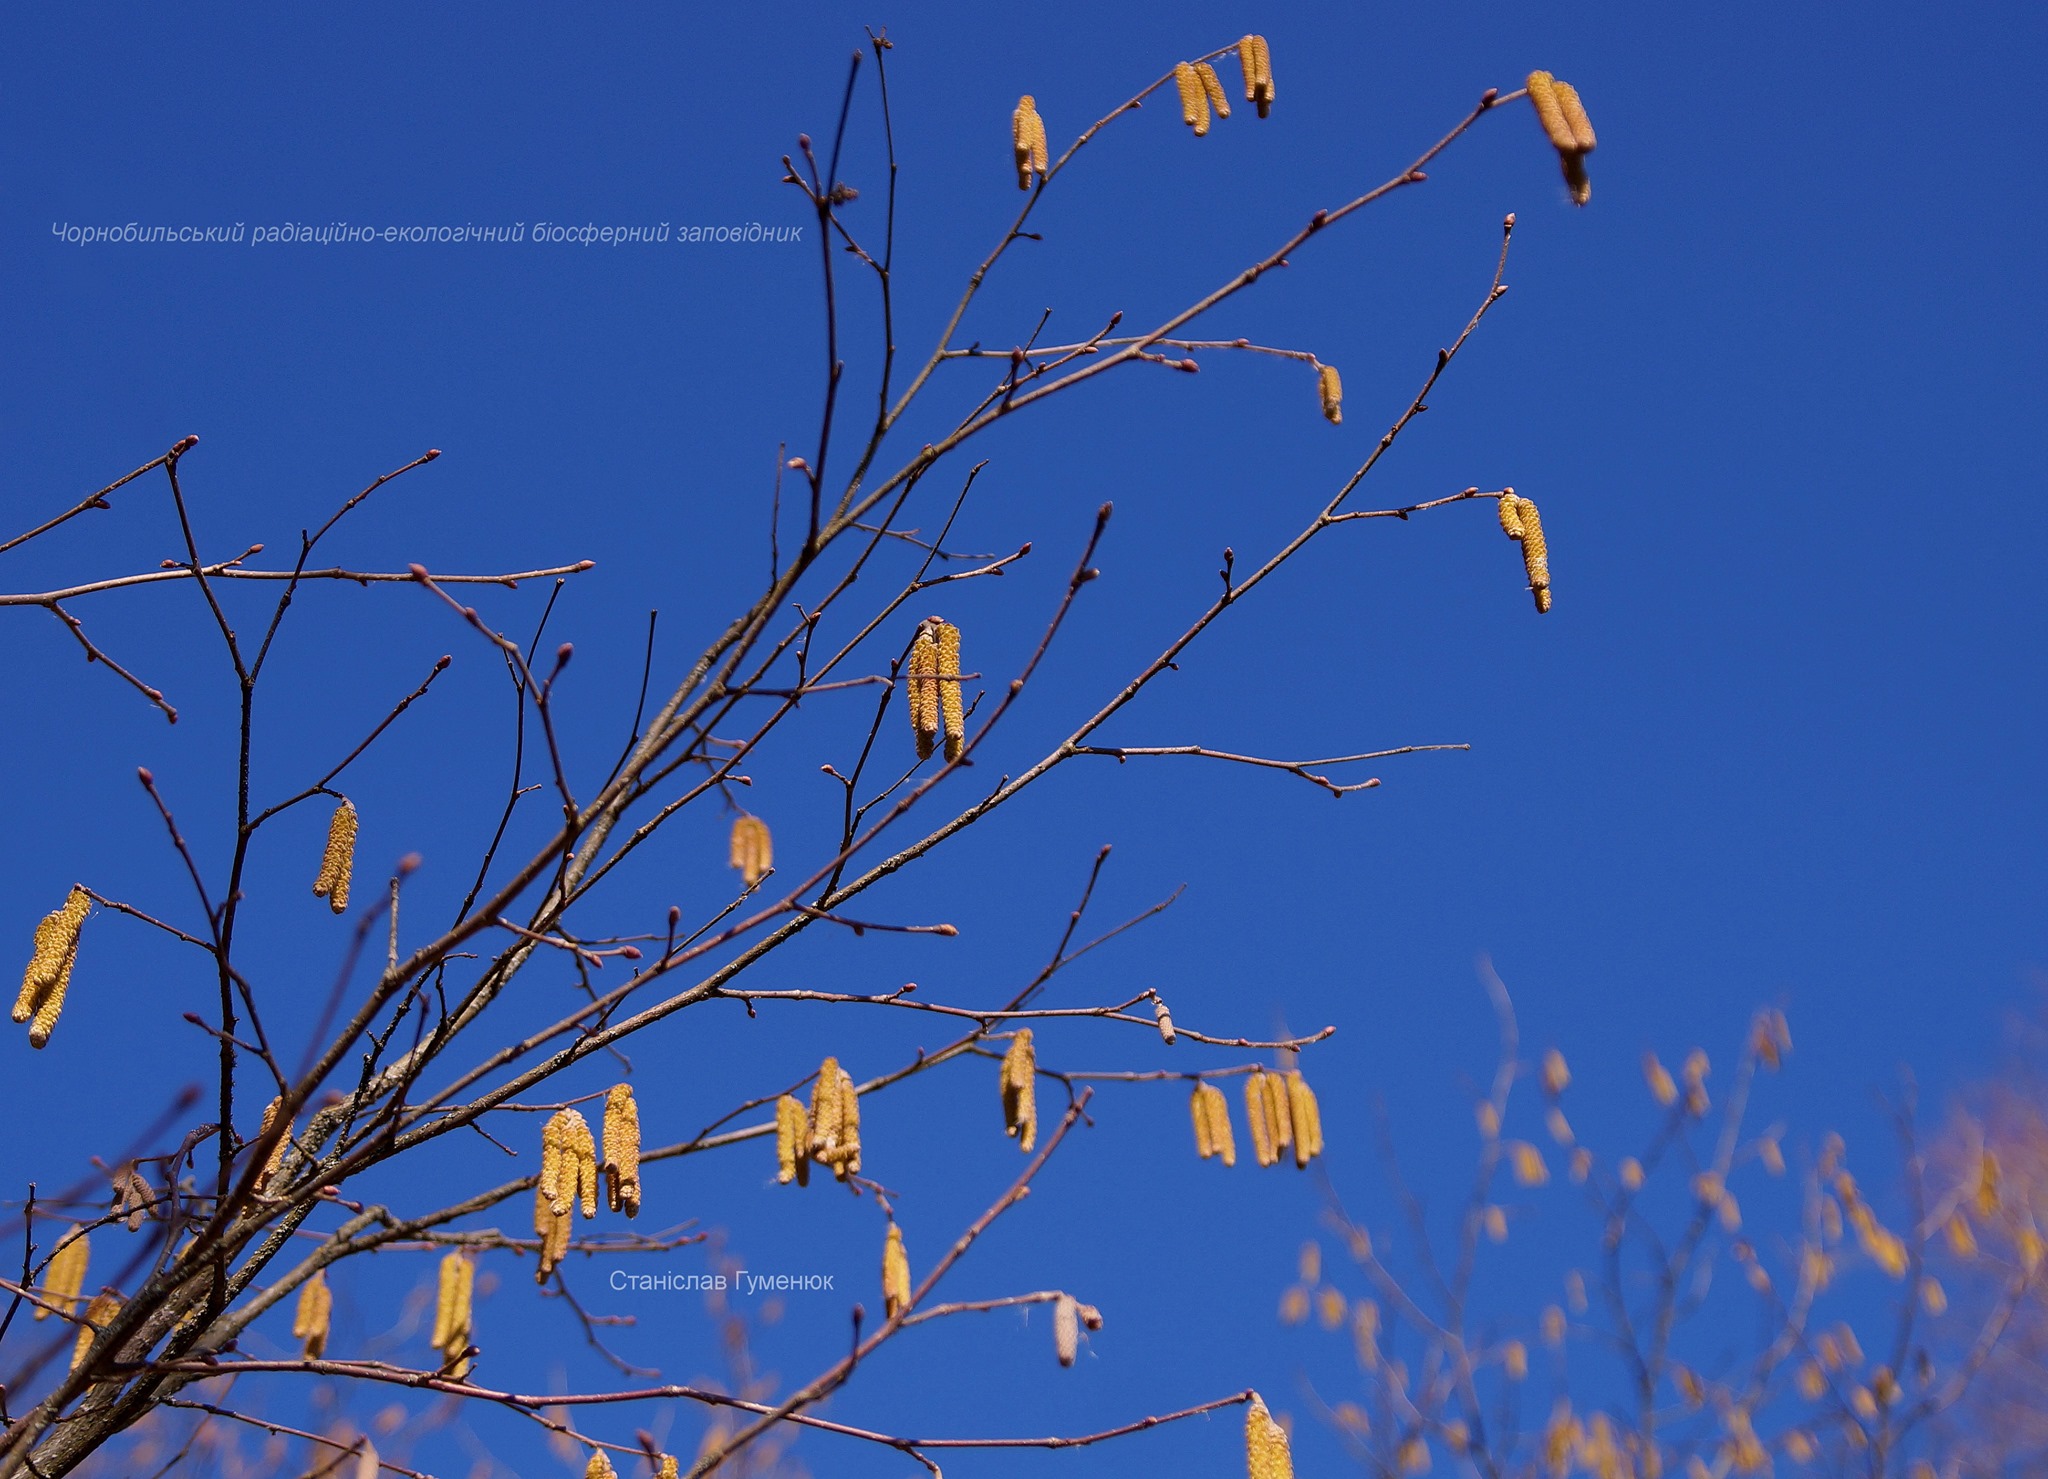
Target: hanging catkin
{"x":310,"y":1317}
{"x":923,"y":685}
{"x":1331,"y":387}
{"x":1020,"y":1090}
{"x":1535,"y":553}
{"x":622,"y":1151}
{"x":792,"y":1142}
{"x":48,"y":975}
{"x":895,"y":1274}
{"x":1066,"y":1329}
{"x":1213,"y":1135}
{"x":848,"y":1163}
{"x":1194,"y":98}
{"x":1265,"y":1444}
{"x":284,"y":1143}
{"x":599,"y":1467}
{"x":1219,"y":100}
{"x":103,"y":1308}
{"x":1027,"y":139}
{"x":753,"y":850}
{"x":1307,"y":1117}
{"x":568,"y":1167}
{"x":452,"y":1313}
{"x":1279,"y":1113}
{"x":825,"y":1110}
{"x":338,"y":862}
{"x":952,"y":707}
{"x":1257,"y":62}
{"x":1569,"y":130}
{"x":65,"y":1275}
{"x":1257,"y":1110}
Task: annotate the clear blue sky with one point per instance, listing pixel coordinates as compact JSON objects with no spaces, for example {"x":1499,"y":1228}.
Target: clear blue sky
{"x":1779,"y":742}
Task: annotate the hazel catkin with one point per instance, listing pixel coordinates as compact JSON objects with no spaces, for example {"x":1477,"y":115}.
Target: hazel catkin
{"x":453,"y":1317}
{"x":48,"y":975}
{"x":952,"y":707}
{"x":1066,"y":1329}
{"x":1257,"y":62}
{"x":895,"y":1274}
{"x":753,"y":850}
{"x":1265,"y":1444}
{"x":1212,"y":1125}
{"x":792,"y":1142}
{"x":105,"y":1305}
{"x":1308,"y":1119}
{"x":1219,"y":100}
{"x":1020,"y":1091}
{"x":922,"y":673}
{"x":1535,"y":553}
{"x":65,"y":1275}
{"x":1565,"y":124}
{"x":338,"y":861}
{"x":622,"y":1151}
{"x":1331,"y":387}
{"x":312,"y":1314}
{"x":1194,"y":99}
{"x":1027,"y":140}
{"x":1258,"y":1111}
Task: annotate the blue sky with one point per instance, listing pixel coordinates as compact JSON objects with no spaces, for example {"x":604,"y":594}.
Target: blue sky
{"x":1778,"y":743}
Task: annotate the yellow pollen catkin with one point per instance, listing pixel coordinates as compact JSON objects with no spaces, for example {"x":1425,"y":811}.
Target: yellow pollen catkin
{"x":1258,"y":1110}
{"x":103,"y":1308}
{"x":568,"y":1172}
{"x":338,"y":862}
{"x":792,"y":1142}
{"x":753,"y":850}
{"x":924,"y":692}
{"x":1279,"y":1113}
{"x":1198,"y":1111}
{"x":1220,"y":1133}
{"x":1331,"y":387}
{"x":1066,"y":1329}
{"x":452,"y":1312}
{"x":65,"y":1275}
{"x":1219,"y":100}
{"x":1020,"y":1090}
{"x":599,"y":1467}
{"x":1265,"y":1444}
{"x":48,"y":975}
{"x":895,"y":1274}
{"x":825,"y":1110}
{"x":952,"y":708}
{"x":284,"y":1143}
{"x":311,"y":1315}
{"x":1027,"y":141}
{"x":849,"y":1128}
{"x":622,"y":1151}
{"x":1550,"y":113}
{"x":552,"y":1228}
{"x":1575,"y":118}
{"x":1257,"y":62}
{"x":1535,"y":553}
{"x":1510,"y":515}
{"x":1307,"y":1116}
{"x":1194,"y":99}
{"x":667,"y":1468}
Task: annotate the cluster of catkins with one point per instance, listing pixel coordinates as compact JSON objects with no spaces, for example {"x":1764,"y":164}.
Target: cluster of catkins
{"x":828,"y":1132}
{"x":1521,"y":523}
{"x":570,"y":1172}
{"x":1569,"y":129}
{"x":1281,"y":1109}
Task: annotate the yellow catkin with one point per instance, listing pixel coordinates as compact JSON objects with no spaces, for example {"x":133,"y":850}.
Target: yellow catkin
{"x":1198,"y":1111}
{"x":1194,"y":99}
{"x":1258,"y":1111}
{"x":849,"y":1128}
{"x":1575,"y":117}
{"x":284,"y":1143}
{"x":1020,"y":1090}
{"x":1331,"y":387}
{"x":1510,"y":515}
{"x":48,"y":975}
{"x":622,"y":1151}
{"x":753,"y":850}
{"x":1219,"y":100}
{"x":599,"y":1467}
{"x":65,"y":1275}
{"x":338,"y":862}
{"x":1265,"y":1444}
{"x":1214,"y":1110}
{"x":667,"y":1468}
{"x":552,"y":1229}
{"x":1257,"y":62}
{"x":952,"y":708}
{"x":310,"y":1317}
{"x":825,"y":1110}
{"x":895,"y":1274}
{"x":924,"y":691}
{"x":1279,"y":1113}
{"x":1550,"y":113}
{"x":453,"y":1316}
{"x":1027,"y":140}
{"x":1066,"y":1329}
{"x":103,"y":1308}
{"x":1308,"y":1119}
{"x":568,"y":1168}
{"x":1535,"y":553}
{"x":792,"y":1142}
{"x":1658,"y":1077}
